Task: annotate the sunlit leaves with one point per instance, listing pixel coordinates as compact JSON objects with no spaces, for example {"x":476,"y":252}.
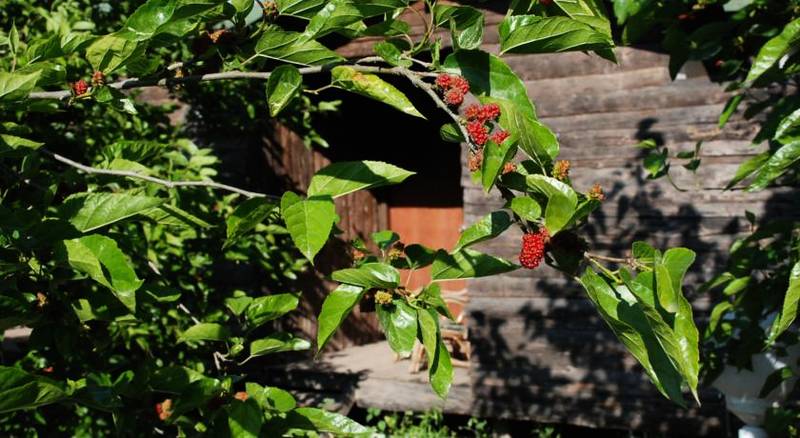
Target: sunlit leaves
{"x":292,"y":48}
{"x":440,"y":368}
{"x":468,"y":263}
{"x":774,"y":50}
{"x":533,"y":34}
{"x":369,"y":275}
{"x":90,"y":211}
{"x":284,"y":84}
{"x":21,"y":390}
{"x":309,"y":221}
{"x":399,"y":322}
{"x":245,"y":217}
{"x":335,"y":309}
{"x":345,"y":177}
{"x":788,"y":310}
{"x":370,"y":85}
{"x":278,"y":343}
{"x":205,"y":332}
{"x":270,"y":307}
{"x":488,"y":227}
{"x":15,"y":86}
{"x":101,"y":259}
{"x":464,"y":22}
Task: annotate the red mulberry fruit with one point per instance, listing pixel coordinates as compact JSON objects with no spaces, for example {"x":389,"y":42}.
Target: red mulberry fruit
{"x":80,"y":87}
{"x":478,"y":132}
{"x":444,"y":81}
{"x":454,"y":97}
{"x":460,"y":84}
{"x":499,"y":136}
{"x":490,"y":112}
{"x":533,"y":245}
{"x":473,"y":112}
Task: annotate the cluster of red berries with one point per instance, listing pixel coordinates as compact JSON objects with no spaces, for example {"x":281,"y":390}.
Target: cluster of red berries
{"x":533,"y":245}
{"x":482,"y":113}
{"x":453,"y":88}
{"x":79,"y":87}
{"x":478,"y":132}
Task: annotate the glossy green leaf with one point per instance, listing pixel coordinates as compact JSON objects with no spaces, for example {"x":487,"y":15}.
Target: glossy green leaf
{"x":299,"y":8}
{"x":99,"y":257}
{"x":270,"y":397}
{"x":171,"y":216}
{"x":558,"y":213}
{"x":525,"y":207}
{"x":20,"y":390}
{"x":384,"y":239}
{"x":468,"y":263}
{"x":489,"y":76}
{"x":244,"y":418}
{"x":278,"y":343}
{"x":267,"y":308}
{"x":495,"y":156}
{"x":550,"y":187}
{"x":324,"y":421}
{"x":440,"y":368}
{"x":450,"y":133}
{"x":788,"y":311}
{"x":778,"y":163}
{"x":373,"y":87}
{"x":16,"y":86}
{"x":747,"y":168}
{"x":15,"y":142}
{"x":630,"y":325}
{"x":774,"y":380}
{"x":551,"y":34}
{"x":293,"y":48}
{"x":488,"y":227}
{"x":432,"y":296}
{"x":399,"y":322}
{"x":335,"y":309}
{"x":589,"y":12}
{"x":465,"y":24}
{"x":111,"y":52}
{"x":283,"y":85}
{"x":788,"y":123}
{"x":533,"y":137}
{"x":774,"y":49}
{"x":730,"y":107}
{"x":369,"y":275}
{"x":246,"y":217}
{"x":205,"y":332}
{"x":391,"y":54}
{"x":90,"y":211}
{"x":345,"y":177}
{"x":309,"y":221}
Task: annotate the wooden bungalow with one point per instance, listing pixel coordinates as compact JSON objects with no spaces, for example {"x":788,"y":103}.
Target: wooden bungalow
{"x":539,"y":349}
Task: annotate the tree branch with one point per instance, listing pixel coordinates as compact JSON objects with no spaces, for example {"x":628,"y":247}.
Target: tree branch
{"x":167,"y":183}
{"x":127,"y":84}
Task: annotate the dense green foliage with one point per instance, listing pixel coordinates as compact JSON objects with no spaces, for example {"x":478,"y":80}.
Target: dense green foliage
{"x":148,"y":285}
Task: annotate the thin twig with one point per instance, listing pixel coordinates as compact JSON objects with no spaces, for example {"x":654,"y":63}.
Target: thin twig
{"x":127,"y":84}
{"x":427,"y":88}
{"x":152,"y":179}
{"x":626,"y":260}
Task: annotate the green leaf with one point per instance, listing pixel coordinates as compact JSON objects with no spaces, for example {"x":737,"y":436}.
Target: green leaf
{"x":299,"y":8}
{"x":629,"y":325}
{"x":283,"y":85}
{"x":278,"y":343}
{"x":335,"y":309}
{"x":238,"y":302}
{"x":777,"y":164}
{"x":531,"y":34}
{"x":525,"y":207}
{"x":391,"y":54}
{"x":171,"y":216}
{"x":369,"y":275}
{"x":450,"y":133}
{"x":244,"y":417}
{"x":15,"y":86}
{"x":489,"y":76}
{"x":324,"y":421}
{"x":774,"y":49}
{"x":787,"y":124}
{"x":551,"y":187}
{"x":589,"y":12}
{"x":133,"y":150}
{"x":384,"y":239}
{"x":293,"y":48}
{"x":558,"y":213}
{"x":270,"y":397}
{"x":440,"y":368}
{"x":432,"y":296}
{"x":20,"y":390}
{"x":488,"y":227}
{"x":245,"y":217}
{"x":100,"y":258}
{"x":495,"y":156}
{"x":788,"y":311}
{"x":205,"y":332}
{"x":533,"y":137}
{"x":464,"y":22}
{"x":111,"y":52}
{"x":730,"y":107}
{"x":345,"y":177}
{"x":309,"y":221}
{"x":90,"y":211}
{"x":468,"y":263}
{"x":774,"y":379}
{"x":267,"y":308}
{"x":373,"y":87}
{"x":399,"y":322}
{"x":748,"y":167}
{"x":14,"y":142}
